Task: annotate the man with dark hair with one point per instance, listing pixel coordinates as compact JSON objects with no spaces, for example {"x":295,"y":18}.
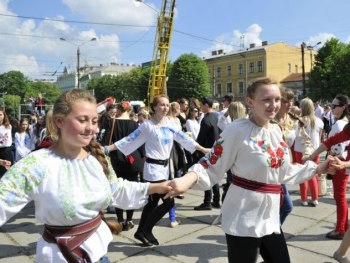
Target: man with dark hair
{"x":223,"y":121}
{"x":208,"y":132}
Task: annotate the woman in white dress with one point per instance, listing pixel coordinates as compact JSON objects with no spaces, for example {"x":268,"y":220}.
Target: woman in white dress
{"x":255,"y":152}
{"x":158,"y":135}
{"x":70,"y":183}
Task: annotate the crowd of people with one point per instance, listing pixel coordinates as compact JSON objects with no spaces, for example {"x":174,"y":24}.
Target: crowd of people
{"x":118,"y":161}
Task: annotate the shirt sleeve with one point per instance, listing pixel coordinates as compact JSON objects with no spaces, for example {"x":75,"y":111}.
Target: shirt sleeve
{"x":339,"y":137}
{"x":134,"y":140}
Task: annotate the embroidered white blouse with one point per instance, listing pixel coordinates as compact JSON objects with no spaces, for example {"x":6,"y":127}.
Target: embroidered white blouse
{"x":5,"y":136}
{"x":158,"y":140}
{"x":257,"y":154}
{"x":66,"y":192}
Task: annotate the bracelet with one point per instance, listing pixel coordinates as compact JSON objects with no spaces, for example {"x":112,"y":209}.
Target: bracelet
{"x":106,"y":148}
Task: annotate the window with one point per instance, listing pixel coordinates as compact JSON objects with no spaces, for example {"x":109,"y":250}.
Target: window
{"x":260,"y":66}
{"x":240,"y":87}
{"x":229,"y":87}
{"x":218,"y":72}
{"x":218,"y":90}
{"x":296,"y":68}
{"x":251,"y":67}
{"x":289,"y":68}
{"x":229,"y":71}
{"x":240,"y":69}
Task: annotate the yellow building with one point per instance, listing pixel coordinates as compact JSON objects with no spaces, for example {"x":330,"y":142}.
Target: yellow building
{"x":229,"y":73}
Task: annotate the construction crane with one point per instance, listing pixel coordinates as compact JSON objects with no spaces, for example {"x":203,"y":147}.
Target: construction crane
{"x":157,"y":80}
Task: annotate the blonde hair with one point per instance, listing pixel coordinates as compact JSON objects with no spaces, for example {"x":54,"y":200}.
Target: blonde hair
{"x":63,"y":106}
{"x":308,"y":111}
{"x":236,"y":110}
{"x":173,"y":108}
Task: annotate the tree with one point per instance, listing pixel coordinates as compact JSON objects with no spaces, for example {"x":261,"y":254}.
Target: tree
{"x":14,"y":82}
{"x":188,"y":78}
{"x":330,"y":75}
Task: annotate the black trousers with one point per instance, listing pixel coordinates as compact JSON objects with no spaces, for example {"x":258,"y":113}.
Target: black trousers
{"x":273,"y":249}
{"x":5,"y":154}
{"x":213,"y":193}
{"x":152,"y":212}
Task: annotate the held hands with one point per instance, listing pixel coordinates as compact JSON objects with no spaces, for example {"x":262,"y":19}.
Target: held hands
{"x":181,"y":184}
{"x":5,"y":163}
{"x":335,"y":164}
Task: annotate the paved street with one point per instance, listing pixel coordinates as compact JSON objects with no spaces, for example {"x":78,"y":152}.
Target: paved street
{"x":195,"y":240}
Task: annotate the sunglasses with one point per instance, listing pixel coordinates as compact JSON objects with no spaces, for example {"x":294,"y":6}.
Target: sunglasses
{"x":333,"y":106}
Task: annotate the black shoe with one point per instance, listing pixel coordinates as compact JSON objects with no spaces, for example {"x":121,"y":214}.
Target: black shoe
{"x":127,"y":225}
{"x":141,"y":237}
{"x":151,"y":238}
{"x":110,"y":210}
{"x":335,"y":235}
{"x":203,"y":207}
{"x":216,"y":205}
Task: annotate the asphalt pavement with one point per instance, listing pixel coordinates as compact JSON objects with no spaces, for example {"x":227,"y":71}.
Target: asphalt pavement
{"x":194,"y":240}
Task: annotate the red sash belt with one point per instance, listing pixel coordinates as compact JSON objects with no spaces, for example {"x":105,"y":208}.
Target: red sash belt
{"x":69,"y":238}
{"x":258,"y":186}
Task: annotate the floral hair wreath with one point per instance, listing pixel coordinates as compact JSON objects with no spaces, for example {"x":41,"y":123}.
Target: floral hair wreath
{"x":125,"y":105}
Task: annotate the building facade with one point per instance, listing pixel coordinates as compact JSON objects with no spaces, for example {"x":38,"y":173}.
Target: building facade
{"x":230,"y":73}
{"x":69,"y":80}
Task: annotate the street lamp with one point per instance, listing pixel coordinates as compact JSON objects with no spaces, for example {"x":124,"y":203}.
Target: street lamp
{"x":78,"y":56}
{"x":142,"y":1}
{"x":303,"y":46}
{"x":310,"y":48}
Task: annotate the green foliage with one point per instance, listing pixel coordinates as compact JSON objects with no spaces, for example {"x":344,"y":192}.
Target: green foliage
{"x":126,"y":86}
{"x":188,"y":78}
{"x":15,"y":89}
{"x":330,"y":75}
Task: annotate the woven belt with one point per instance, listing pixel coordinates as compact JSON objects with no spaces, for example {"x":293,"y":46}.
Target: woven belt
{"x":155,"y":161}
{"x":69,"y":238}
{"x":258,"y":186}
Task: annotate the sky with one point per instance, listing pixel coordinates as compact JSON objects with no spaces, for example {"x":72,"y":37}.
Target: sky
{"x":30,"y":30}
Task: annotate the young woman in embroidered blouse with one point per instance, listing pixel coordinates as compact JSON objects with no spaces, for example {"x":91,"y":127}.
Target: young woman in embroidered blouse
{"x":255,"y":152}
{"x":5,"y":140}
{"x":158,"y":135}
{"x":314,"y":129}
{"x":68,"y":181}
{"x":23,"y":140}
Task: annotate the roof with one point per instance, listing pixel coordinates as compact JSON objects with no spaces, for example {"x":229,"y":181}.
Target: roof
{"x":295,"y":77}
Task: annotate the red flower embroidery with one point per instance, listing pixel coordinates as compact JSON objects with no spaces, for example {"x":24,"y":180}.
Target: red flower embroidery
{"x":204,"y":164}
{"x":284,"y":145}
{"x":213,"y":159}
{"x":280,"y":153}
{"x":270,"y":151}
{"x":275,"y":159}
{"x":218,"y":150}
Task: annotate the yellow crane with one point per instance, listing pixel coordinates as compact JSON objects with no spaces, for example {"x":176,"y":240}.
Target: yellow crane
{"x":157,"y":80}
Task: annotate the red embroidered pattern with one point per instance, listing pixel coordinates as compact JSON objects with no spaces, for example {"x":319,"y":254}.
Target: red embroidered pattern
{"x":214,"y":155}
{"x":276,"y":159}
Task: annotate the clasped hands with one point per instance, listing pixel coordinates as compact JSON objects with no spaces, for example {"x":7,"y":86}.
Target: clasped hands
{"x":175,"y":186}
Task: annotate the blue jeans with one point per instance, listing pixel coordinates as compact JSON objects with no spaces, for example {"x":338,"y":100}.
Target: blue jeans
{"x":287,"y":205}
{"x":104,"y":259}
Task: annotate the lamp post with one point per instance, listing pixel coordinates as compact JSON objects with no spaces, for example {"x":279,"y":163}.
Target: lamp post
{"x":310,"y":48}
{"x":78,"y":56}
{"x":303,"y":45}
{"x":142,"y":1}
{"x":245,"y":70}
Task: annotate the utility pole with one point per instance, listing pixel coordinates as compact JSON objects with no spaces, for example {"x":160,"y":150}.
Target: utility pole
{"x":78,"y":67}
{"x":303,"y":45}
